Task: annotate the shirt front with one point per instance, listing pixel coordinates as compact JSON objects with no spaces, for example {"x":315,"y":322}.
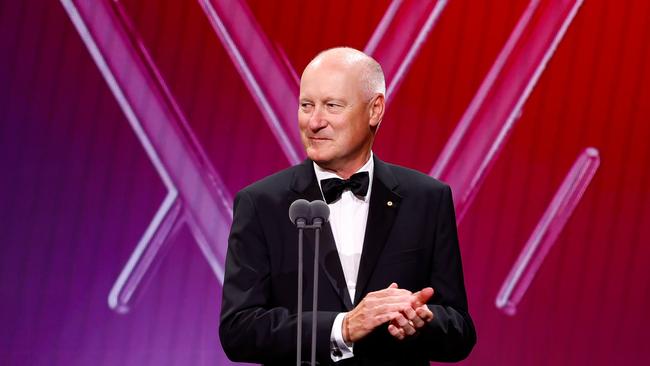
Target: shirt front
{"x":348,"y":218}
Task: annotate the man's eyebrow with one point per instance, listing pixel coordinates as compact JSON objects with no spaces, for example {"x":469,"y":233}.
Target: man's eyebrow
{"x":340,"y":101}
{"x":324,"y":99}
{"x":332,"y":97}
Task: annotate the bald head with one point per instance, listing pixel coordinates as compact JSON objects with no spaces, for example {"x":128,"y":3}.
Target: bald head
{"x":341,"y":105}
{"x":370,"y":75}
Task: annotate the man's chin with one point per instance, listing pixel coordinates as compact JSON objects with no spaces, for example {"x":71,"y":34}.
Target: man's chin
{"x":318,"y":157}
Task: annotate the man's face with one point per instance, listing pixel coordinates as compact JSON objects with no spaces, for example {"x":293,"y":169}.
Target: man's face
{"x":334,"y":116}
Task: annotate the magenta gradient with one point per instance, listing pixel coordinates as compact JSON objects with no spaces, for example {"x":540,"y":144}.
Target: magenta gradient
{"x":78,"y":189}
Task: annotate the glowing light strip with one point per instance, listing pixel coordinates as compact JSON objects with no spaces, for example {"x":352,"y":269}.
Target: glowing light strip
{"x":196,"y":194}
{"x":484,"y":128}
{"x":547,"y":231}
{"x":400,"y":36}
{"x":271,"y":85}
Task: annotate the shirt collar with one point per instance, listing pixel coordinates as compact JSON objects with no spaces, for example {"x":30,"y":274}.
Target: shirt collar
{"x":369,"y":167}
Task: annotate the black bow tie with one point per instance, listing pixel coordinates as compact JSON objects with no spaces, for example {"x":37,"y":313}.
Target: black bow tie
{"x":333,"y":187}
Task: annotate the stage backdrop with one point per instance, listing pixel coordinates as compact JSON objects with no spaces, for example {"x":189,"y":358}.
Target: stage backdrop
{"x":126,"y":127}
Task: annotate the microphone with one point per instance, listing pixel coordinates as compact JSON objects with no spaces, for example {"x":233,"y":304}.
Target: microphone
{"x":320,"y":212}
{"x":299,"y":212}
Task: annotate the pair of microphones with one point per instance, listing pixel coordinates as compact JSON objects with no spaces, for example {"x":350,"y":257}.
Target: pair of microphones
{"x":304,"y":213}
{"x":308,"y":215}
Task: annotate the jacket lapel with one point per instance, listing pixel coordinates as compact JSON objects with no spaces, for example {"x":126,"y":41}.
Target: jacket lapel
{"x":384,"y":204}
{"x":305,"y":186}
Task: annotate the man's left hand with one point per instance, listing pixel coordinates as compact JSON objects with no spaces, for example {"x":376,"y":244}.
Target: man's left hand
{"x":415,"y":317}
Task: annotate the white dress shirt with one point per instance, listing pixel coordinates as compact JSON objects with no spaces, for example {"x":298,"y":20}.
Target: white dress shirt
{"x":348,"y":218}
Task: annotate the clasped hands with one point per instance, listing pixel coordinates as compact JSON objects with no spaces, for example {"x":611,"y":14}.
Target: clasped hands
{"x":407,"y":312}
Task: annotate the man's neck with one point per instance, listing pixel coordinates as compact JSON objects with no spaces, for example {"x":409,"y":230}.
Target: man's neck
{"x":346,"y":171}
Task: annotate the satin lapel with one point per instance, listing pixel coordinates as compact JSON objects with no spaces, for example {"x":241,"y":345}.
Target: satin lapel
{"x":306,"y":187}
{"x":384,"y":204}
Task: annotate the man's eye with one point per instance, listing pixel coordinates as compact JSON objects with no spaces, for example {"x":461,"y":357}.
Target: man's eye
{"x":333,"y":105}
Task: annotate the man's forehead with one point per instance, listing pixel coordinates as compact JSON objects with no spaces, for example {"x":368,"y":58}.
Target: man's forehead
{"x":335,"y":61}
{"x":327,"y":71}
{"x":328,"y":83}
{"x":332,"y":69}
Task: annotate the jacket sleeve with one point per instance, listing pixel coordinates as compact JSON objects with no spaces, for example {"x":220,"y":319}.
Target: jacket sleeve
{"x":252,"y":329}
{"x":450,"y":336}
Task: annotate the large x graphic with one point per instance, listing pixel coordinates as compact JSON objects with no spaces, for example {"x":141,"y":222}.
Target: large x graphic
{"x":196,"y":194}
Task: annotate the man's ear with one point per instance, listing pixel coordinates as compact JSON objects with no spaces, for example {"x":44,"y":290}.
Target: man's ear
{"x":376,"y":111}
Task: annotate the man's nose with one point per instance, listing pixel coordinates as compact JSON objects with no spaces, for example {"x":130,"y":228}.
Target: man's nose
{"x":317,"y":119}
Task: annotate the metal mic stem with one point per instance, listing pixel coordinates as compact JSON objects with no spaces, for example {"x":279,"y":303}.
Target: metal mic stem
{"x":315,"y":297}
{"x":299,"y":315}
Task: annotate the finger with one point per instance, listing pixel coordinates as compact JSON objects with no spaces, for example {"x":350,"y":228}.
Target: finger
{"x":390,"y":291}
{"x":405,"y":324}
{"x":421,"y":297}
{"x":396,"y":332}
{"x":423,"y":294}
{"x":409,"y":330}
{"x":411,"y":315}
{"x":401,"y":321}
{"x":390,"y":307}
{"x":373,"y":302}
{"x":424,"y":313}
{"x":384,"y":318}
{"x":401,"y":298}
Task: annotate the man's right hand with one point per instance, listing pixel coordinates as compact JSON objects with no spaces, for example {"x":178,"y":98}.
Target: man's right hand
{"x":374,"y":310}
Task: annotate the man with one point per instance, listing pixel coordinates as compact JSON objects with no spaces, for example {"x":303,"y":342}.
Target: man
{"x":391,"y":289}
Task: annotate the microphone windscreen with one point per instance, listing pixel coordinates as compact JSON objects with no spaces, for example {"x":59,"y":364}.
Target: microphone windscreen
{"x":319,"y":209}
{"x":299,"y":209}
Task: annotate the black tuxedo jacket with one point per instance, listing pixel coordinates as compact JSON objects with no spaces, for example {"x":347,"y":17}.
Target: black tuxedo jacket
{"x":410,"y":239}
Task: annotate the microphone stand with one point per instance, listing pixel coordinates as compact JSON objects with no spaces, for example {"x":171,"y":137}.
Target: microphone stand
{"x":318,"y":222}
{"x":299,"y":212}
{"x":317,"y":225}
{"x":300,"y":223}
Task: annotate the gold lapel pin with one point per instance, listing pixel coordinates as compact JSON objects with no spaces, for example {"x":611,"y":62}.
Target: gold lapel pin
{"x":389,"y":203}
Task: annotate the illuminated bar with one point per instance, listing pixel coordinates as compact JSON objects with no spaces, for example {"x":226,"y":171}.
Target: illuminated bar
{"x":547,"y":231}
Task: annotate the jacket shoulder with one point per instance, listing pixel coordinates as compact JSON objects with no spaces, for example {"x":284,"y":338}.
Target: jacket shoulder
{"x":414,"y":180}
